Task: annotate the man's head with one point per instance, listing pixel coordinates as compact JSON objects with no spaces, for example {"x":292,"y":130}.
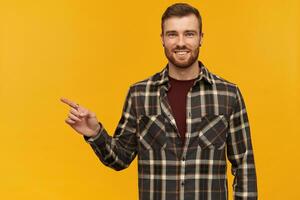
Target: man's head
{"x":181,"y":34}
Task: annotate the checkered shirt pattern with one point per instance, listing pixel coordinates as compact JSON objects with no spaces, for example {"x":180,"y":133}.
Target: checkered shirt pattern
{"x":217,"y":130}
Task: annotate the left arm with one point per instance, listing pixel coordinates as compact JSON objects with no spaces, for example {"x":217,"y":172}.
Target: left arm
{"x":240,"y":152}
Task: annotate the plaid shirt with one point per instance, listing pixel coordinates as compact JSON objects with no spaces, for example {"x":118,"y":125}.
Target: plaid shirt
{"x":217,"y":126}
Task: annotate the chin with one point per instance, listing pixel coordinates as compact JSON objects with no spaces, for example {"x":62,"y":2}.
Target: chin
{"x":183,"y":64}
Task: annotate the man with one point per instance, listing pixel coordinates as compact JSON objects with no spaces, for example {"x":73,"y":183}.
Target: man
{"x":181,"y":122}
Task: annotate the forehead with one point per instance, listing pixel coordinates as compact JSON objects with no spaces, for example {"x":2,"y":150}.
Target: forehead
{"x":180,"y":24}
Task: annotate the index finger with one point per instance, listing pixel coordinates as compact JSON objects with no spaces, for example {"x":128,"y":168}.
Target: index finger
{"x":69,"y":102}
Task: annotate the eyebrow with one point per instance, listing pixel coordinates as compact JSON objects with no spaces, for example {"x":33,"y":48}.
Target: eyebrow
{"x":172,"y":31}
{"x":193,"y":31}
{"x":167,"y":32}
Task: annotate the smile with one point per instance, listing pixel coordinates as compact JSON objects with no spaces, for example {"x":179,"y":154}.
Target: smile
{"x":181,"y":53}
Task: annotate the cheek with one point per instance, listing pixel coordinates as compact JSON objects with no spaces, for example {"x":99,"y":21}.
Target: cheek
{"x":195,"y":43}
{"x":169,"y":46}
{"x":170,"y":43}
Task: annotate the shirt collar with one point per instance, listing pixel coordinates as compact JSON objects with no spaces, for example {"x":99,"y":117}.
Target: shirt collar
{"x":204,"y":73}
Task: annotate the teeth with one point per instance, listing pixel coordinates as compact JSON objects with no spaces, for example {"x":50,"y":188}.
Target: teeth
{"x":181,"y":52}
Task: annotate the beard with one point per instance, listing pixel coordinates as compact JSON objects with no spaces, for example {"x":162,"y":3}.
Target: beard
{"x":193,"y":57}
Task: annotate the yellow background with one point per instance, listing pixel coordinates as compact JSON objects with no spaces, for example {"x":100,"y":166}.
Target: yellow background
{"x":91,"y":51}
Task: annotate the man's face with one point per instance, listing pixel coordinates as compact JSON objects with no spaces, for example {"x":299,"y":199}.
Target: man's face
{"x":181,"y":39}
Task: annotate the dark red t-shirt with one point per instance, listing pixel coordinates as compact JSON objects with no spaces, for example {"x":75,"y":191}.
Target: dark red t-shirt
{"x":177,"y":94}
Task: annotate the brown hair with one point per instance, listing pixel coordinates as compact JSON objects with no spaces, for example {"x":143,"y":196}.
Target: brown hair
{"x":181,"y":10}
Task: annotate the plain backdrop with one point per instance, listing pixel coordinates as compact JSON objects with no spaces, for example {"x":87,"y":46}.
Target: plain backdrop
{"x":91,"y":51}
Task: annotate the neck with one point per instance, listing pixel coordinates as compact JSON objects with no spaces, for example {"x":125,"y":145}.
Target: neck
{"x":187,"y":73}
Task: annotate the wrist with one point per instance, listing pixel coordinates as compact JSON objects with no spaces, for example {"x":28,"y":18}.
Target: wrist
{"x":96,"y":132}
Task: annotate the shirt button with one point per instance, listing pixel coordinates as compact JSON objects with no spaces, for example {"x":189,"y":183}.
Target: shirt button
{"x":183,"y":158}
{"x":182,"y":183}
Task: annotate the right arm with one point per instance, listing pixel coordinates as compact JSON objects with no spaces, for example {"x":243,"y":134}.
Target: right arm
{"x":116,"y":152}
{"x":120,"y":150}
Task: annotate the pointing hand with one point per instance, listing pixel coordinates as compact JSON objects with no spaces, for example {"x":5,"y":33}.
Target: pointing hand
{"x":81,"y":119}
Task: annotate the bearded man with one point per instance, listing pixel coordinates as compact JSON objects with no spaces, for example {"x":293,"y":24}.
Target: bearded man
{"x":182,"y":123}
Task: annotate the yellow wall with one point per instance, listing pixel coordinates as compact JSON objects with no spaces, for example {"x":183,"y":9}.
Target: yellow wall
{"x":91,"y":51}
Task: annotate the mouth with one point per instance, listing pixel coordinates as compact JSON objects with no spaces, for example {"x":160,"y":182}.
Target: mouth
{"x":181,"y":53}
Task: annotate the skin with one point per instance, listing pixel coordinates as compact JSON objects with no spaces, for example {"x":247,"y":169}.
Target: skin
{"x":81,"y":119}
{"x":181,"y":39}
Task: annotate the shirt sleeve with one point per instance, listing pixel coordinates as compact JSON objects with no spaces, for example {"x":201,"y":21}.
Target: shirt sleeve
{"x":119,"y":150}
{"x":240,"y":152}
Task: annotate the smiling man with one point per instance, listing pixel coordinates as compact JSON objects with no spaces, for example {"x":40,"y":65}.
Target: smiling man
{"x":182,"y":123}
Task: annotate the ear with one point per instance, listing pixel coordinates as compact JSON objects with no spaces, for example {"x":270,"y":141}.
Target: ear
{"x":162,"y":39}
{"x":201,"y":39}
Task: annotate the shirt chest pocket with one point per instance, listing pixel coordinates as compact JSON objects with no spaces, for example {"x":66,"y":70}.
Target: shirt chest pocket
{"x":151,"y":132}
{"x":213,"y":132}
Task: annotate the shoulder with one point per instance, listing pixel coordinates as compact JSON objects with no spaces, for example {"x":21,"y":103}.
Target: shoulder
{"x":222,"y":84}
{"x":226,"y":89}
{"x":149,"y":83}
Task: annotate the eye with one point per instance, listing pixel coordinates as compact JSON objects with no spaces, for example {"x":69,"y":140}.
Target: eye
{"x":171,"y":35}
{"x":190,"y":34}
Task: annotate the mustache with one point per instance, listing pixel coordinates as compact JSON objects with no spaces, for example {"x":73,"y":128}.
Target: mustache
{"x":180,"y":48}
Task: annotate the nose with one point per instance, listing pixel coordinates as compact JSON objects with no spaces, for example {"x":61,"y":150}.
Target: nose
{"x":181,"y":41}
